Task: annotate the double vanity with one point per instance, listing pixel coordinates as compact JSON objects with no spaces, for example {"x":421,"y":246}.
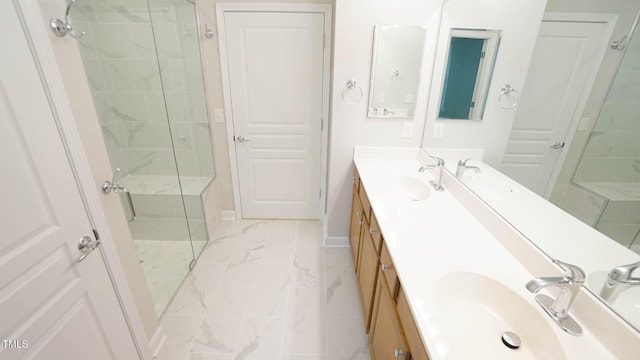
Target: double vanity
{"x":442,"y":276}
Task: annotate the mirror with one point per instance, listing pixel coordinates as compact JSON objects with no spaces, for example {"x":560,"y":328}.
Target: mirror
{"x":471,"y":56}
{"x":395,"y":70}
{"x":596,"y":92}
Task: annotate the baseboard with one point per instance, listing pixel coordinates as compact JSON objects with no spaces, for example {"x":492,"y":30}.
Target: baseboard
{"x":336,"y":241}
{"x":158,"y":339}
{"x":228,"y":214}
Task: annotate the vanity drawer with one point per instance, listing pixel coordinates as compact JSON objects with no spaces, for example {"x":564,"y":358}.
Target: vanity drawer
{"x":389,"y":271}
{"x":374,"y":230}
{"x":366,"y":206}
{"x":416,"y":347}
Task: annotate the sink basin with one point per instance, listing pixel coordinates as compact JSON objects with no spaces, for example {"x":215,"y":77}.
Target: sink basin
{"x":487,"y":187}
{"x":398,"y":186}
{"x":479,"y":310}
{"x":625,"y":300}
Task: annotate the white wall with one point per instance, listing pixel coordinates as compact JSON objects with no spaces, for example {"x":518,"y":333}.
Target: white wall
{"x":519,"y":21}
{"x":349,"y":125}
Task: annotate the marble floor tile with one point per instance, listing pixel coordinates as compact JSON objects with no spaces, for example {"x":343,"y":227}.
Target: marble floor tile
{"x":180,"y":330}
{"x":347,"y":339}
{"x":338,"y":256}
{"x":260,"y":338}
{"x":342,"y":291}
{"x":306,"y":322}
{"x":309,"y":232}
{"x":221,"y":326}
{"x":197,"y":289}
{"x":308,"y":266}
{"x":268,"y":290}
{"x":271,"y":290}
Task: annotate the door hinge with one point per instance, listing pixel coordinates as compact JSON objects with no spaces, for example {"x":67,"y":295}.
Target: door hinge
{"x":95,"y":234}
{"x":482,"y":55}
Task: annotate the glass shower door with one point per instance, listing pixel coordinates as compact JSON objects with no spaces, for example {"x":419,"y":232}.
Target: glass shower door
{"x":143,"y":94}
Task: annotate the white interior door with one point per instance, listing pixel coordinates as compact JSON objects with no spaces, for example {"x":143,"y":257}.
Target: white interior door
{"x":565,"y":56}
{"x":275,"y":69}
{"x":51,"y":306}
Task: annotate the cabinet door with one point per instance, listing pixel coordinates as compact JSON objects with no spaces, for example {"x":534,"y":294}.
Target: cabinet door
{"x":367,"y":275}
{"x":387,"y":339}
{"x":356,"y":227}
{"x":416,"y":346}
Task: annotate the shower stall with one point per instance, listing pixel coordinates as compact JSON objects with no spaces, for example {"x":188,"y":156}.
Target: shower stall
{"x":142,"y":61}
{"x":606,"y":185}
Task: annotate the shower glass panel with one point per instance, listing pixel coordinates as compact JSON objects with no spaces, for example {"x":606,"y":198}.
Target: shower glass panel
{"x":610,"y":165}
{"x":142,"y":61}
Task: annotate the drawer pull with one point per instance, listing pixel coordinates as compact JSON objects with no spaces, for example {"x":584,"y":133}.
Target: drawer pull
{"x":385,"y":267}
{"x":399,"y":353}
{"x":372,"y":231}
{"x":358,"y":213}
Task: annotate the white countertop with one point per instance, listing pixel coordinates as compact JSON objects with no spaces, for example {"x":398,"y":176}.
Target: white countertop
{"x":435,"y":237}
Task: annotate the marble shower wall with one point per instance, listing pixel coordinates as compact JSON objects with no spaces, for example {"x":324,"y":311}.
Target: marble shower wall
{"x":613,"y":151}
{"x":142,"y":60}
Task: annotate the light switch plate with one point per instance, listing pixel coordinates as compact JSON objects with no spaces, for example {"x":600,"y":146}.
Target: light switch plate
{"x":438,"y":131}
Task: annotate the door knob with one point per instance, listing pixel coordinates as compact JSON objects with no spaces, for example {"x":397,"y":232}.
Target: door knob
{"x":86,"y":245}
{"x":558,"y":145}
{"x":241,"y":139}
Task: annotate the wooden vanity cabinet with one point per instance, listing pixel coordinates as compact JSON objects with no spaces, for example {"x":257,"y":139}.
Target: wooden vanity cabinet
{"x":414,"y":341}
{"x":386,"y":338}
{"x":355,"y":231}
{"x":367,"y":274}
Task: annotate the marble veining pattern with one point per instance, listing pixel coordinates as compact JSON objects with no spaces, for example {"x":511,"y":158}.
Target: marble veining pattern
{"x":268,"y":289}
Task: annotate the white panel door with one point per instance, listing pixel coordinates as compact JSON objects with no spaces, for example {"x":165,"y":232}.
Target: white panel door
{"x":564,"y":57}
{"x":275,"y":71}
{"x":51,"y":306}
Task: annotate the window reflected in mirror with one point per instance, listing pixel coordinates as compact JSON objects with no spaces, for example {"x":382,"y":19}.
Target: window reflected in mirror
{"x":468,"y":71}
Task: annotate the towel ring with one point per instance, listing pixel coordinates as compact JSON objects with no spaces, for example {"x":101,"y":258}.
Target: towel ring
{"x":507,"y":89}
{"x":62,"y":28}
{"x":351,"y":84}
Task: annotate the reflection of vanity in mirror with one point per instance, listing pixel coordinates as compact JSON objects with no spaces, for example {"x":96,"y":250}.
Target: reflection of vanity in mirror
{"x":573,"y":141}
{"x":395,"y":70}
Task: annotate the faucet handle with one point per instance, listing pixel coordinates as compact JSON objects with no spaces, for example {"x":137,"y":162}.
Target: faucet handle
{"x":622,"y":273}
{"x":572,"y":272}
{"x":439,"y":161}
{"x":463,"y":162}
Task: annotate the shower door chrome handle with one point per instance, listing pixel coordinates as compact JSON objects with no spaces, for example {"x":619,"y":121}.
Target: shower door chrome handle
{"x":86,"y":245}
{"x":109,"y":185}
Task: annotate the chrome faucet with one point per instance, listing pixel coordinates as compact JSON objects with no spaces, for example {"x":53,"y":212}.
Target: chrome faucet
{"x":439,"y":165}
{"x":462,"y":166}
{"x":568,"y":285}
{"x":618,"y":278}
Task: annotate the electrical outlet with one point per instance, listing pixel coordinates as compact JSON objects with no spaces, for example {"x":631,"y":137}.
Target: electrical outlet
{"x":438,"y":131}
{"x":407,"y":130}
{"x":218,"y":115}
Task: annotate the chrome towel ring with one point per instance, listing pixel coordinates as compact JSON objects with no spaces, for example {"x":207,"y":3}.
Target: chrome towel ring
{"x":351,"y":84}
{"x":62,"y":28}
{"x":506,"y":90}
